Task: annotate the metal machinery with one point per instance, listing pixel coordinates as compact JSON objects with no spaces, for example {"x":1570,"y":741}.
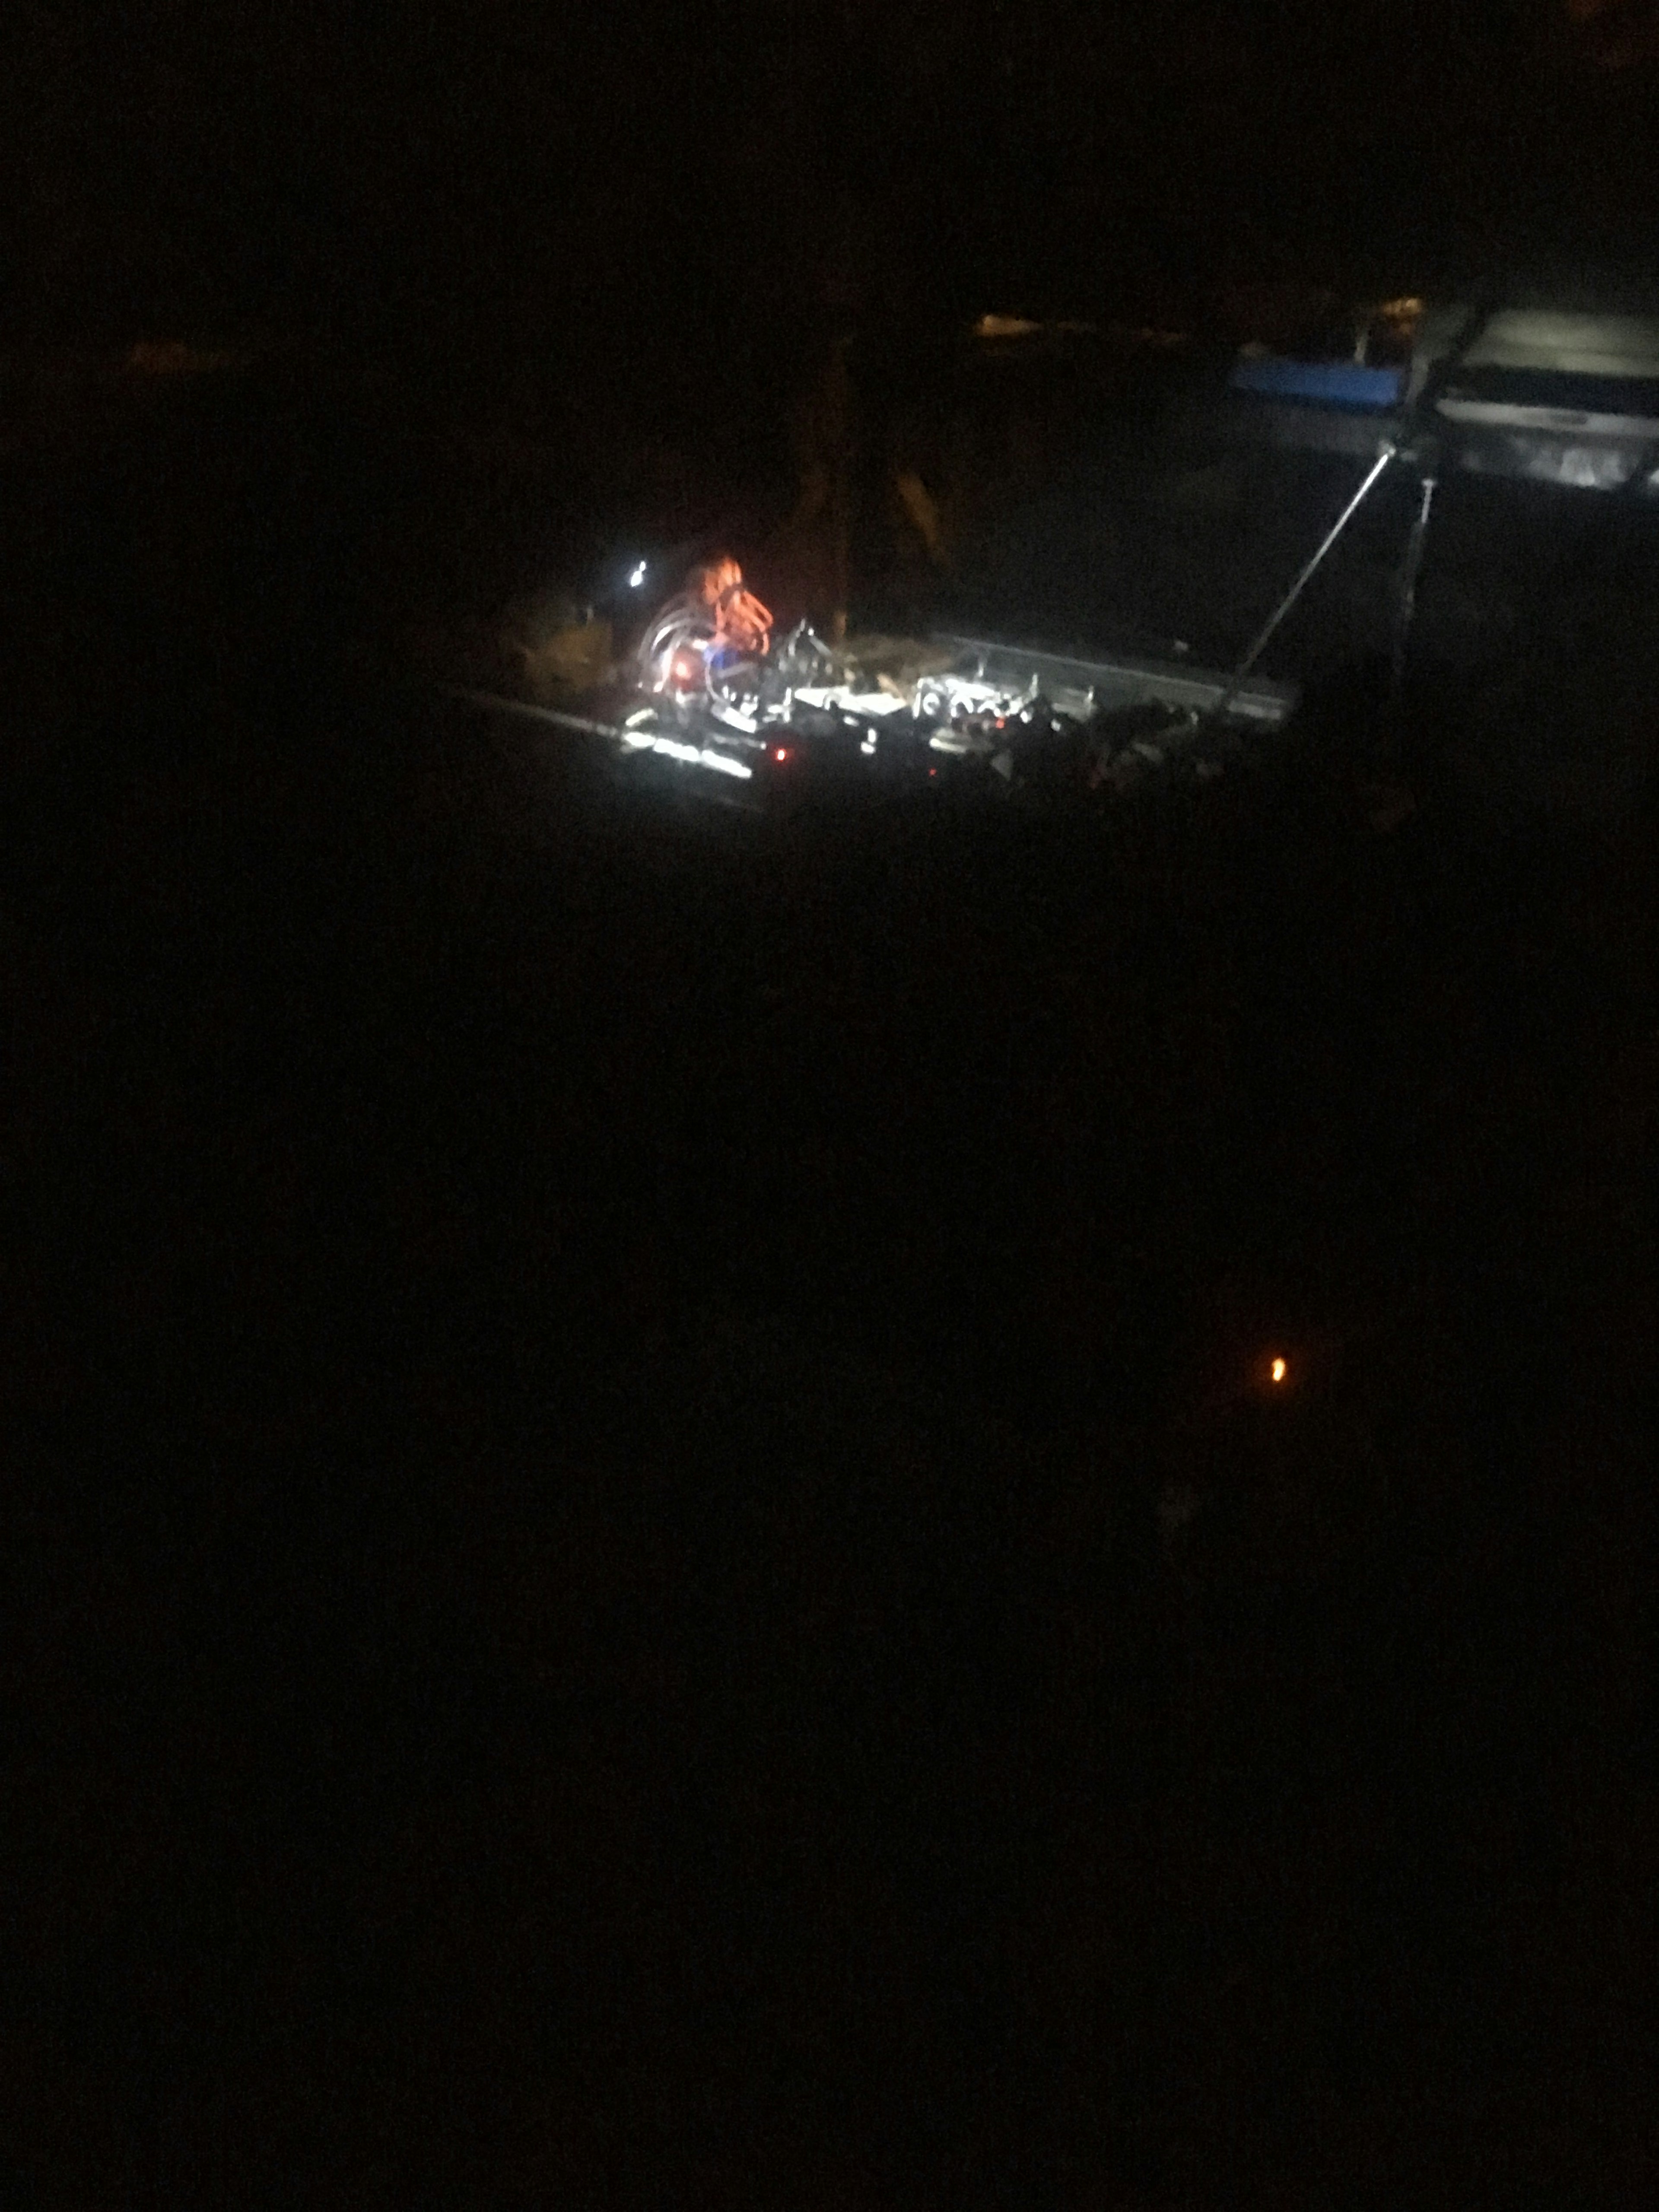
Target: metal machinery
{"x":714,"y":696}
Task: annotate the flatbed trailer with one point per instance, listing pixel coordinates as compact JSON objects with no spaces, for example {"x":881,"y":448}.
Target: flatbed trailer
{"x":987,"y":716}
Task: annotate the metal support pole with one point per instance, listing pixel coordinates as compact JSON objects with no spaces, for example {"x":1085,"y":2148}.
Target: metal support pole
{"x":840,"y":392}
{"x":1309,"y":570}
{"x":1312,"y":566}
{"x":1407,"y":604}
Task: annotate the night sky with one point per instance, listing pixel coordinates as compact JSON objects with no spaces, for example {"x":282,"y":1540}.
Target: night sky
{"x":545,"y":169}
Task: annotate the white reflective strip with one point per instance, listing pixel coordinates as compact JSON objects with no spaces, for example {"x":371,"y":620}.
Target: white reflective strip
{"x":702,"y":757}
{"x":852,"y":703}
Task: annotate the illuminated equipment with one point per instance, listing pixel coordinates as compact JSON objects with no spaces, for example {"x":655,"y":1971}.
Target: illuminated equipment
{"x":994,"y":717}
{"x":799,"y":717}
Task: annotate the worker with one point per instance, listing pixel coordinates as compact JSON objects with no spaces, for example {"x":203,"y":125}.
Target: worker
{"x":737,"y":618}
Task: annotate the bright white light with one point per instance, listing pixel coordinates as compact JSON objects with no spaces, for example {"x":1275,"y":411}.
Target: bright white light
{"x":841,"y":697}
{"x":702,"y":757}
{"x":636,"y":575}
{"x":726,"y":765}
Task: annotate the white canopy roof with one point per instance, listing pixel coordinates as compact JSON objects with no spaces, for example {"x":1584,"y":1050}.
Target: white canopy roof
{"x":1575,"y":345}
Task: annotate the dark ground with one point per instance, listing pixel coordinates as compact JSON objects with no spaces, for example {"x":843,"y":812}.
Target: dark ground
{"x":642,"y":1562}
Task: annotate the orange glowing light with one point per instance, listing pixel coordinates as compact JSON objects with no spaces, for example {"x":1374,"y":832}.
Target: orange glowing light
{"x":1279,"y":1370}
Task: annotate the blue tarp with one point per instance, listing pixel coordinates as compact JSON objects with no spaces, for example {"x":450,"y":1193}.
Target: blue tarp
{"x":1343,"y":384}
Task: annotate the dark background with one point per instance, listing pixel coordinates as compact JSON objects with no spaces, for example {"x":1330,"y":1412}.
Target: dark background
{"x":643,"y":1558}
{"x":504,"y":178}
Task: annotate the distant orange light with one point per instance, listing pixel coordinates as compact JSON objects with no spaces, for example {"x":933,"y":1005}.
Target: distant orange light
{"x":1279,"y":1370}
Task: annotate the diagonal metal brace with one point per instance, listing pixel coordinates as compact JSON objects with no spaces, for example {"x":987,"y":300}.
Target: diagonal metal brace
{"x":1309,"y":570}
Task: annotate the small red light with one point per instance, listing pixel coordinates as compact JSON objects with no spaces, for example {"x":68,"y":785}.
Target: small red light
{"x":780,"y":752}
